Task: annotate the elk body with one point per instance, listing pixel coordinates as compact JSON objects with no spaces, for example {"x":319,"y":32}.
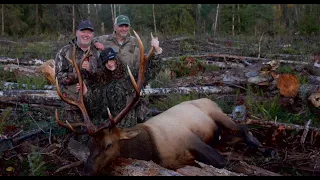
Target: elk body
{"x":172,"y":139}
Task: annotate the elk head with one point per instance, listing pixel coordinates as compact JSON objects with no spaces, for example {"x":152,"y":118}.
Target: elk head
{"x":104,"y":144}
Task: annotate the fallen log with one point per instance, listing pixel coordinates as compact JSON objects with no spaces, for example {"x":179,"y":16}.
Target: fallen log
{"x":224,"y":64}
{"x":134,"y":167}
{"x":12,"y":67}
{"x":250,"y":170}
{"x":8,"y":41}
{"x":188,"y":90}
{"x":314,"y":80}
{"x":48,"y":93}
{"x":50,"y":97}
{"x":12,"y":86}
{"x":45,"y":97}
{"x":206,"y":170}
{"x":277,"y":124}
{"x":227,"y":56}
{"x":288,"y":56}
{"x":221,"y":47}
{"x":27,"y":62}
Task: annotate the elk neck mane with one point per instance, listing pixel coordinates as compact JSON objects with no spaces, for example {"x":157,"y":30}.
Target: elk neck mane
{"x":140,"y":147}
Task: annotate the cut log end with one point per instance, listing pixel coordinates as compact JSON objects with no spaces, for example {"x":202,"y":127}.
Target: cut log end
{"x":48,"y":69}
{"x":314,"y":98}
{"x":288,"y":85}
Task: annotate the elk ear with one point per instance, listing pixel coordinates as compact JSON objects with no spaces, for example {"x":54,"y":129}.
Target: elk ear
{"x":128,"y":134}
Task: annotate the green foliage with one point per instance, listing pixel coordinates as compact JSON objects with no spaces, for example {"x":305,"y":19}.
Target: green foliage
{"x":6,"y":76}
{"x":33,"y":50}
{"x":272,"y":110}
{"x":36,"y":164}
{"x":303,"y":79}
{"x":25,"y":120}
{"x":15,"y":24}
{"x":172,"y":100}
{"x":309,"y":24}
{"x":181,"y":68}
{"x":171,"y":19}
{"x":285,"y":69}
{"x":226,"y":107}
{"x":288,"y":69}
{"x":251,"y":15}
{"x":161,"y":80}
{"x":185,"y":46}
{"x":34,"y":82}
{"x":266,"y":110}
{"x":4,"y":117}
{"x":177,"y":19}
{"x":210,"y":68}
{"x":289,"y":50}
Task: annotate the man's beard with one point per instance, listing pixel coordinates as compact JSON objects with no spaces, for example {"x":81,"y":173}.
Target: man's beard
{"x":122,"y":35}
{"x":84,"y":45}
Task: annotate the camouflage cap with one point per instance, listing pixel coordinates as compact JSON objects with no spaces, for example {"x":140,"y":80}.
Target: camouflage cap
{"x":122,"y":19}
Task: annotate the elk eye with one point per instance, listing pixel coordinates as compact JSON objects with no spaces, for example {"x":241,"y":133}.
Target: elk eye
{"x":108,"y":146}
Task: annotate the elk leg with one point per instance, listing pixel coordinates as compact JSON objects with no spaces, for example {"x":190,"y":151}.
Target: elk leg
{"x":249,"y":139}
{"x":216,"y":137}
{"x":207,"y":155}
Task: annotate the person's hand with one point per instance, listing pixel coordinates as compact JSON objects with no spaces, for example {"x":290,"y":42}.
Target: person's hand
{"x":86,"y":65}
{"x":99,"y":46}
{"x":85,"y":90}
{"x":111,"y":65}
{"x":155,"y":45}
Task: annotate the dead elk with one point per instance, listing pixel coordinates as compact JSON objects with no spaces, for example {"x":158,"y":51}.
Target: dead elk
{"x":173,"y":139}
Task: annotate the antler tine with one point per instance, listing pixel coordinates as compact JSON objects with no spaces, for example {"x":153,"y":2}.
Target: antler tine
{"x":137,"y":86}
{"x":143,"y":62}
{"x":134,"y":83}
{"x":67,"y":124}
{"x":79,"y":102}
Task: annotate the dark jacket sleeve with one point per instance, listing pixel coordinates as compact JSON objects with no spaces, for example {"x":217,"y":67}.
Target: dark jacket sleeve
{"x":153,"y":68}
{"x":63,"y":69}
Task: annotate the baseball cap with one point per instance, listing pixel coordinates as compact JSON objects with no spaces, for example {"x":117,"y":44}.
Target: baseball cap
{"x":85,"y":25}
{"x":122,"y":19}
{"x":107,"y":54}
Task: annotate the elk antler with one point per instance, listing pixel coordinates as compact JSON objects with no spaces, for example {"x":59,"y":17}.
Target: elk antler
{"x":79,"y":102}
{"x":137,"y":86}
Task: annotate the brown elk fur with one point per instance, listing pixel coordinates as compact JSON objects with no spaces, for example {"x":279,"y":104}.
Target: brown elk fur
{"x":173,"y":139}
